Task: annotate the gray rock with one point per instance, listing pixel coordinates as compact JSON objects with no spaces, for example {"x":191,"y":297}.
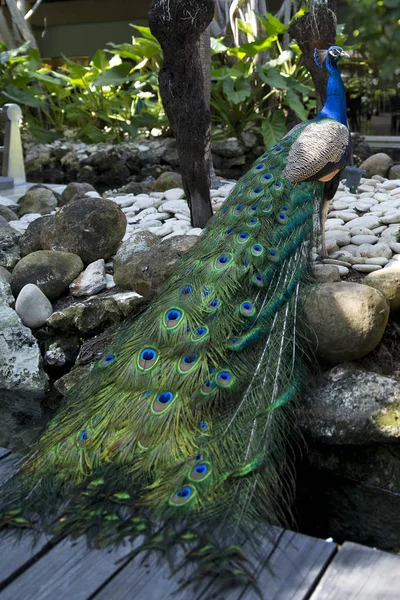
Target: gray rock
{"x":326,"y":273}
{"x":20,"y":365}
{"x":9,"y":249}
{"x":38,"y":199}
{"x":52,"y":272}
{"x":7,"y":213}
{"x":394,"y":172}
{"x":387,"y":281}
{"x":128,"y":253}
{"x":91,"y":228}
{"x":91,"y":281}
{"x":62,"y":352}
{"x":348,"y":405}
{"x":75,"y":190}
{"x":32,"y":306}
{"x":97,"y":312}
{"x":149,"y":269}
{"x":167,"y":181}
{"x":6,"y":297}
{"x":31,"y":240}
{"x":76,"y":375}
{"x":345,"y":320}
{"x":377,"y":164}
{"x":4,"y":274}
{"x":229,"y":148}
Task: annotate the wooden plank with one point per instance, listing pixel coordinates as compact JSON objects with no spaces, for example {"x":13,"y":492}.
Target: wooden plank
{"x":7,"y":466}
{"x":361,"y":573}
{"x":69,"y":570}
{"x":16,"y":554}
{"x":4,"y":452}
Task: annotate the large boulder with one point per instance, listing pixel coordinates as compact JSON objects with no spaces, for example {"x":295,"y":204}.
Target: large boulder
{"x":51,"y":271}
{"x":146,"y":271}
{"x":377,"y":164}
{"x":38,"y":199}
{"x":128,"y":253}
{"x":348,"y":405}
{"x":20,"y":365}
{"x":167,"y":181}
{"x":7,"y":213}
{"x":387,"y":281}
{"x":345,"y":320}
{"x":6,"y":296}
{"x":31,"y":240}
{"x":9,"y":249}
{"x":74,"y":191}
{"x":394,"y":172}
{"x":91,"y":228}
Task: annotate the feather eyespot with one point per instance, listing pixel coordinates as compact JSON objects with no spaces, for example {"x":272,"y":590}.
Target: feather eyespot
{"x":258,"y":280}
{"x":238,"y":209}
{"x":257,"y":250}
{"x":267,"y":208}
{"x":229,"y":230}
{"x":162,"y":403}
{"x":277,"y":148}
{"x":260,"y":167}
{"x":187,"y":363}
{"x":214,"y":304}
{"x":282,"y":217}
{"x":200,"y":333}
{"x":186,"y":290}
{"x":224,"y":379}
{"x":200,"y":472}
{"x":242,"y":238}
{"x":224,"y":210}
{"x":183,"y":496}
{"x":208,"y":387}
{"x":252,"y":222}
{"x":108,"y":360}
{"x":278,"y":185}
{"x":257,"y":191}
{"x":222,"y":261}
{"x":273,"y":255}
{"x":267,"y":177}
{"x":172,"y":318}
{"x":147,"y":359}
{"x":203,"y":425}
{"x":247,"y":309}
{"x":265,"y":156}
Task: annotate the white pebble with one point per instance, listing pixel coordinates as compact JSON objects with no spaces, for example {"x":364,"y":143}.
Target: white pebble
{"x":368,"y":221}
{"x":332,"y":223}
{"x":174,"y":194}
{"x":194,"y":231}
{"x":364,"y":239}
{"x":391,"y":218}
{"x":378,"y":260}
{"x":345,"y":215}
{"x":395,"y":247}
{"x":369,"y":251}
{"x":366,"y":268}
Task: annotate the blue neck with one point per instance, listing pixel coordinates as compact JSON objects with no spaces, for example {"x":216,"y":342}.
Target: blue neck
{"x":335,"y":105}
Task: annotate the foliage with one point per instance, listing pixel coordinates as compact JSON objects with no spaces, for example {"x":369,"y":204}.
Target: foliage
{"x":110,"y":98}
{"x":249,"y":93}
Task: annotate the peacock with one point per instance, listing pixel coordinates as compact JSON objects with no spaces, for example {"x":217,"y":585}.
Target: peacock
{"x":178,"y":435}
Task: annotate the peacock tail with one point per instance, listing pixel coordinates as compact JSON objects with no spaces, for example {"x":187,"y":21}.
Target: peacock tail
{"x":178,"y":433}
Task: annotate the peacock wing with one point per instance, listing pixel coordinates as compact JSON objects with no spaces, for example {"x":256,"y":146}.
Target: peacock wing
{"x":320,"y":143}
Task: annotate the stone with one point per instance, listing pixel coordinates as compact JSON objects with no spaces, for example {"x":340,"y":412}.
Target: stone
{"x":91,"y":228}
{"x":31,"y":240}
{"x":9,"y":249}
{"x":146,"y":271}
{"x":367,"y":221}
{"x":32,"y":306}
{"x":9,"y":203}
{"x":38,"y":199}
{"x":91,"y":281}
{"x":167,"y":181}
{"x":373,"y":251}
{"x":350,"y":406}
{"x":393,"y":217}
{"x":4,"y":274}
{"x":51,"y":271}
{"x":377,"y":164}
{"x":94,"y":314}
{"x":19,"y":226}
{"x":75,"y":190}
{"x":6,"y":296}
{"x":394,"y":172}
{"x":20,"y":366}
{"x":350,"y":249}
{"x":325,"y":273}
{"x":129,"y":253}
{"x":332,"y":222}
{"x":62,"y":352}
{"x":387,"y":281}
{"x":366,"y":268}
{"x":358,"y":240}
{"x":342,"y":238}
{"x":74,"y":377}
{"x":174,"y":194}
{"x":378,"y":260}
{"x":7,"y":213}
{"x":347,"y":320}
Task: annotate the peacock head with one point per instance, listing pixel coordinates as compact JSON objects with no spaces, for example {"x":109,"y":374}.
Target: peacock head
{"x":330,"y":56}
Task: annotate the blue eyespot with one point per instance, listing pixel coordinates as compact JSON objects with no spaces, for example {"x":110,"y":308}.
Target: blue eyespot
{"x":198,"y":456}
{"x":277,"y":185}
{"x":108,"y":359}
{"x":224,"y":259}
{"x":186,"y":290}
{"x":207,"y":291}
{"x":253,"y":221}
{"x":277,"y":148}
{"x":228,"y":231}
{"x":267,"y":176}
{"x":224,"y":379}
{"x":189,"y":359}
{"x":253,"y":208}
{"x":265,"y":156}
{"x":256,"y":249}
{"x":247,"y":306}
{"x":165,"y":397}
{"x":272,"y":253}
{"x":245,"y":262}
{"x":239,"y":208}
{"x":145,"y":394}
{"x":259,"y":278}
{"x":282,"y":216}
{"x":244,"y":236}
{"x":185,"y":492}
{"x":285,"y":208}
{"x":211,"y":370}
{"x":200,"y":331}
{"x":83,"y":435}
{"x":148,"y":354}
{"x":260,"y":167}
{"x":203,"y":425}
{"x":214,"y":304}
{"x":200,"y":469}
{"x":224,"y":210}
{"x":173,"y":315}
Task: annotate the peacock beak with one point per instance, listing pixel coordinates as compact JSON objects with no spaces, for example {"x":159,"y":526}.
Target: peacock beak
{"x":344,"y":54}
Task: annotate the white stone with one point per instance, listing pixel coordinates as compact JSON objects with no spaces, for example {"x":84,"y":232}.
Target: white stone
{"x":124,"y":201}
{"x":6,"y":296}
{"x":395,"y":247}
{"x":174,"y":206}
{"x":366,"y":188}
{"x":368,"y":221}
{"x":381,"y":197}
{"x":359,"y":231}
{"x":150,"y":224}
{"x":194,"y":231}
{"x":144,"y":213}
{"x":342,"y":255}
{"x":366,"y":268}
{"x":379,"y":230}
{"x":19,"y":226}
{"x":350,"y":248}
{"x":157,"y":195}
{"x":332,"y":222}
{"x":28,"y":218}
{"x":162,"y":231}
{"x":342,"y":238}
{"x":390,"y":184}
{"x":32,"y":306}
{"x":391,"y":218}
{"x":378,"y":178}
{"x":92,"y":194}
{"x":130,"y":210}
{"x":142,"y":203}
{"x":91,"y":281}
{"x":182,"y":217}
{"x":7,"y":202}
{"x":369,"y":251}
{"x":362,"y":207}
{"x":110,"y":283}
{"x":364,"y":239}
{"x":345,"y":215}
{"x":174,"y":194}
{"x":379,"y":260}
{"x":339,"y":205}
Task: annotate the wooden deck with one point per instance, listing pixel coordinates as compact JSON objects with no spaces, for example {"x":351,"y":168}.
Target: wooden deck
{"x":297,"y":567}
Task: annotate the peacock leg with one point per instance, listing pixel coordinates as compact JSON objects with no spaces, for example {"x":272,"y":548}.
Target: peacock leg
{"x":323,"y":216}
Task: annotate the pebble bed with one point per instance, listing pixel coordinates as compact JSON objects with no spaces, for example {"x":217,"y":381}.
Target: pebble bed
{"x":361,"y":229}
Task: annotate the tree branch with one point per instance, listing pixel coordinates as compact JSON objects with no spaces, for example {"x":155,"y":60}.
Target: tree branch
{"x":19,"y":22}
{"x":33,"y":10}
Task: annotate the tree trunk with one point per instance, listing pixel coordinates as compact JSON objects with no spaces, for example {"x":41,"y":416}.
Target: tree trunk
{"x":315,"y":29}
{"x":21,"y":27}
{"x":178,"y":26}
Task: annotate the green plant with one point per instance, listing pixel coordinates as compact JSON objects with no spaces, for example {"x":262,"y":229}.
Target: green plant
{"x":249,"y":93}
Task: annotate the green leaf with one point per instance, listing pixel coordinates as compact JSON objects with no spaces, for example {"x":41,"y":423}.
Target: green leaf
{"x":274,"y":129}
{"x":272,"y":25}
{"x":236,"y":90}
{"x":145,"y":32}
{"x":115,"y":76}
{"x":274,"y":79}
{"x":254,"y":48}
{"x":293,"y":100}
{"x":100,"y":60}
{"x":21,"y":96}
{"x":246,"y":27}
{"x":216,"y":46}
